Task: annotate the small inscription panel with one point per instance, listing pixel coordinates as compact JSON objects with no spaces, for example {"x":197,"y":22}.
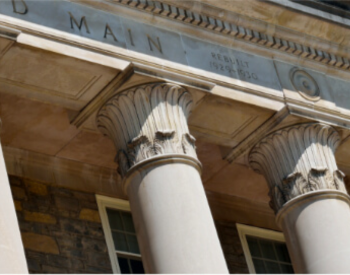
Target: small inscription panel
{"x":231,"y":63}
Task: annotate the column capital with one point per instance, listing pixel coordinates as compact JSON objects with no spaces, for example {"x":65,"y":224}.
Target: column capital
{"x":148,"y":121}
{"x":297,"y":160}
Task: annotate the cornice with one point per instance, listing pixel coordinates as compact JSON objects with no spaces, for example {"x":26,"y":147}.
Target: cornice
{"x":240,"y":32}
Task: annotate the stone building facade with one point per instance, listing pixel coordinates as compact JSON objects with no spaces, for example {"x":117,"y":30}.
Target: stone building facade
{"x":174,"y":136}
{"x":62,"y":232}
{"x":61,"y":228}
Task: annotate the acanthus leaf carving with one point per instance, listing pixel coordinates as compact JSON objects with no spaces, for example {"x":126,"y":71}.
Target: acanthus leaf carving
{"x":147,"y":121}
{"x":188,"y":143}
{"x":294,"y":185}
{"x":164,"y":141}
{"x":298,"y":159}
{"x":339,"y":180}
{"x":123,"y":162}
{"x":277,"y":198}
{"x":316,"y":178}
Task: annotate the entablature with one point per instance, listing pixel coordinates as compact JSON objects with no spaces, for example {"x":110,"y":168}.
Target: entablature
{"x":257,"y":72}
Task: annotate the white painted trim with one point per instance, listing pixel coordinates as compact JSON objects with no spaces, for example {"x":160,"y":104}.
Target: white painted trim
{"x":244,"y":230}
{"x":103,"y":202}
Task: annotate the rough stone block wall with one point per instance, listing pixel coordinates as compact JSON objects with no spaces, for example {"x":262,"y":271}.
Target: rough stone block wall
{"x":62,"y":232}
{"x":61,"y":229}
{"x":232,"y":247}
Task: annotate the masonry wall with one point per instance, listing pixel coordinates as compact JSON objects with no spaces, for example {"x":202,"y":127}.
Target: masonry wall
{"x":61,"y":229}
{"x":232,"y":247}
{"x":62,"y":232}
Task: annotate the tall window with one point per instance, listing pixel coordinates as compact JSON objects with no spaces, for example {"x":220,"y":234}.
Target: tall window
{"x":120,"y":235}
{"x":265,"y":250}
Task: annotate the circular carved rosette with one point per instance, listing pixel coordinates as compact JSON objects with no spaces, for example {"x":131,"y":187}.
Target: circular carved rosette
{"x":305,"y":85}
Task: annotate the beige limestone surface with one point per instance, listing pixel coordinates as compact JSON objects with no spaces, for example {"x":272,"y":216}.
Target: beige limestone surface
{"x":44,"y":92}
{"x":43,"y":131}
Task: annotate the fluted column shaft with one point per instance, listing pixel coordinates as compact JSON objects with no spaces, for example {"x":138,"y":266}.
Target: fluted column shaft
{"x":161,"y":176}
{"x":308,"y":195}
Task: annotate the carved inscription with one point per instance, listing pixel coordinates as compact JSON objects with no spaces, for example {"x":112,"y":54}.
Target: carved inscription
{"x":121,"y":31}
{"x":155,"y":44}
{"x":19,"y":6}
{"x":224,"y":63}
{"x":73,"y":22}
{"x":108,"y":31}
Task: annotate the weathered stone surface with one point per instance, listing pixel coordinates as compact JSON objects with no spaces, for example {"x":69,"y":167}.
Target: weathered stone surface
{"x":59,"y":261}
{"x":232,"y":247}
{"x":90,"y":205}
{"x":95,"y":230}
{"x":40,"y":243}
{"x":18,"y":193}
{"x":292,"y":168}
{"x":61,"y":229}
{"x":93,"y":244}
{"x":43,"y":204}
{"x":15,"y":180}
{"x":66,"y":203}
{"x":53,"y":269}
{"x":76,"y":265}
{"x":67,"y":241}
{"x":61,"y":191}
{"x":39,"y":217}
{"x":33,"y":265}
{"x":154,"y":132}
{"x":94,"y":269}
{"x":90,"y":215}
{"x":30,"y":205}
{"x":71,"y":252}
{"x":68,"y":214}
{"x":78,"y":227}
{"x":18,"y":205}
{"x":36,"y":255}
{"x":98,"y":259}
{"x":37,"y":188}
{"x":85,"y":197}
{"x":25,"y":226}
{"x":40,"y":228}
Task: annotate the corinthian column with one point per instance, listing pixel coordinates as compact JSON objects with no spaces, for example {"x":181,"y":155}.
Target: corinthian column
{"x":161,"y":176}
{"x":308,"y":195}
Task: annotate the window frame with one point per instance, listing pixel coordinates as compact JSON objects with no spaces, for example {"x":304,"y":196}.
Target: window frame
{"x":244,"y":230}
{"x":104,"y":202}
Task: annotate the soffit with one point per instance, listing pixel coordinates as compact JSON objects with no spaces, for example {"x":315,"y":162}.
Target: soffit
{"x":39,"y":142}
{"x":214,"y":119}
{"x":50,"y":77}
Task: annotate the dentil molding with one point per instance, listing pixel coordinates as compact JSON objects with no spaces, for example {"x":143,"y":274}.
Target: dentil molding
{"x":148,"y":121}
{"x":217,"y":25}
{"x":297,"y":160}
